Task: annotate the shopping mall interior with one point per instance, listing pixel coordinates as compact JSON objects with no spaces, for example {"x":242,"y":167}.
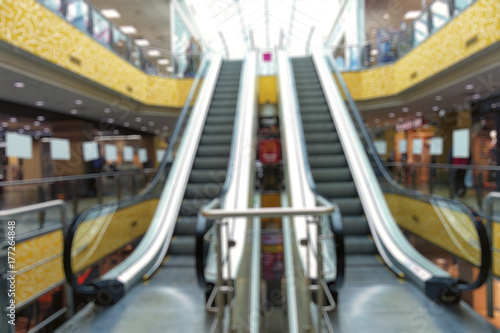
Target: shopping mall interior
{"x":250,"y":165}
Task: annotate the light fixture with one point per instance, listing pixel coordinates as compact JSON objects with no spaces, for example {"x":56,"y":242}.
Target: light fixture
{"x":126,"y":124}
{"x":435,"y":108}
{"x":4,"y":124}
{"x":27,"y":127}
{"x":20,"y":131}
{"x":143,"y":128}
{"x":151,"y":123}
{"x":469,"y":86}
{"x":138,"y":119}
{"x":142,"y":42}
{"x":46,"y":130}
{"x":110,"y":120}
{"x":19,"y":84}
{"x":13,"y":120}
{"x":441,"y":113}
{"x":40,"y":118}
{"x":438,"y":98}
{"x":163,"y":61}
{"x":110,"y":13}
{"x":169,"y":69}
{"x":36,"y":123}
{"x":154,"y":53}
{"x":157,"y":132}
{"x":400,"y":120}
{"x":73,"y":111}
{"x":107,"y":110}
{"x":386,"y":124}
{"x":385,"y":16}
{"x":476,"y":96}
{"x":165,"y":128}
{"x":374,"y":52}
{"x":392,"y":115}
{"x":115,"y":132}
{"x":128,"y":29}
{"x":418,"y":114}
{"x":412,"y":14}
{"x":78,"y":102}
{"x":377,"y":121}
{"x":405,"y":109}
{"x":39,"y":103}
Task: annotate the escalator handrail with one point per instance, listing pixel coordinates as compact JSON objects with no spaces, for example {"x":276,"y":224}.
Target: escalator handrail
{"x":130,"y":201}
{"x":201,"y":221}
{"x":336,"y":222}
{"x":481,"y":231}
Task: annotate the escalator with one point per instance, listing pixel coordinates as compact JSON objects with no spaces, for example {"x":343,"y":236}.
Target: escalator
{"x":328,"y":164}
{"x":212,"y":158}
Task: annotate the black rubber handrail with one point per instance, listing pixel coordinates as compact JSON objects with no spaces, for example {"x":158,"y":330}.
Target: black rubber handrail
{"x":164,"y":168}
{"x":481,"y":231}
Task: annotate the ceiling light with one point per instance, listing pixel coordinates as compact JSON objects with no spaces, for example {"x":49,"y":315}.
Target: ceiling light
{"x":157,"y":132}
{"x":469,"y":86}
{"x":138,"y":119}
{"x":405,"y":109}
{"x":154,"y":53}
{"x":410,"y":15}
{"x":385,"y":16}
{"x":115,"y":132}
{"x":36,"y":123}
{"x":46,"y":130}
{"x":39,"y":103}
{"x":392,"y":115}
{"x":379,"y":126}
{"x":438,"y":98}
{"x":73,"y":111}
{"x":165,"y":128}
{"x":476,"y":96}
{"x":366,"y":125}
{"x":40,"y":118}
{"x":441,"y":113}
{"x":169,"y":69}
{"x":400,"y":120}
{"x":4,"y":124}
{"x":128,"y":29}
{"x":143,"y":128}
{"x":386,"y":123}
{"x":151,"y":123}
{"x":20,"y":131}
{"x":27,"y":127}
{"x":19,"y":84}
{"x":377,"y":121}
{"x":107,"y":110}
{"x":13,"y":120}
{"x":142,"y":42}
{"x":78,"y":102}
{"x":374,"y":52}
{"x":418,"y":114}
{"x":126,"y":124}
{"x":163,"y":61}
{"x":110,"y":13}
{"x":111,"y":120}
{"x":435,"y":108}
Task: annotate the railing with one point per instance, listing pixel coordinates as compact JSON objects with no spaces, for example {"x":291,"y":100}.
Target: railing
{"x":490,"y":199}
{"x":397,"y":43}
{"x":222,"y":287}
{"x":154,"y":61}
{"x":78,"y":190}
{"x":13,"y":249}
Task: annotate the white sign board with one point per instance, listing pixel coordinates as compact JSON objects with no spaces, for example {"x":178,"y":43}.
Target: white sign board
{"x":418,"y":146}
{"x":110,"y":153}
{"x":60,"y":149}
{"x":143,"y":155}
{"x":159,"y":155}
{"x":403,"y":146}
{"x":436,"y":147}
{"x":461,"y":143}
{"x":19,"y":145}
{"x":128,"y":154}
{"x":90,"y":151}
{"x":381,"y":147}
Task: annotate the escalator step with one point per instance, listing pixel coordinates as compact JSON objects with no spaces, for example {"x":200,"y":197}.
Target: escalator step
{"x":208,"y":176}
{"x":328,"y":148}
{"x":348,"y":206}
{"x":355,"y":225}
{"x":186,"y":225}
{"x":218,"y":119}
{"x":325,"y":161}
{"x":321,"y":137}
{"x":210,"y":163}
{"x":319,"y":127}
{"x":202,"y":191}
{"x":182,"y":245}
{"x":331,"y":174}
{"x":217,"y":129}
{"x":215,"y":139}
{"x":359,"y":245}
{"x":191,"y":207}
{"x":213,"y":150}
{"x":316,"y":117}
{"x":323,"y":108}
{"x":337,"y":189}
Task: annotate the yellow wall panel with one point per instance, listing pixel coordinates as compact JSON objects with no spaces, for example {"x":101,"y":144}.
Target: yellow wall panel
{"x":267,"y":90}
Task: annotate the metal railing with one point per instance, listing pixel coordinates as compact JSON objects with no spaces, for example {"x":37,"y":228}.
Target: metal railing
{"x":10,"y":240}
{"x":221,"y":217}
{"x":490,"y":199}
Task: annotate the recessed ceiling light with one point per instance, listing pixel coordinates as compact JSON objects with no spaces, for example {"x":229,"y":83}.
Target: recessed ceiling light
{"x":157,"y":132}
{"x":400,"y":120}
{"x":20,"y":131}
{"x":73,"y":111}
{"x":386,"y":123}
{"x":27,"y":127}
{"x":151,"y":123}
{"x":476,"y":96}
{"x":165,"y":128}
{"x":46,"y":130}
{"x":438,"y":98}
{"x":469,"y":86}
{"x":410,"y":15}
{"x":138,"y":119}
{"x":143,"y":128}
{"x":126,"y":124}
{"x":163,"y":61}
{"x":110,"y":13}
{"x":377,"y":121}
{"x":107,"y":110}
{"x":4,"y":124}
{"x":142,"y":42}
{"x":392,"y":115}
{"x":36,"y":123}
{"x":386,"y":16}
{"x":128,"y":29}
{"x":154,"y":53}
{"x":78,"y":102}
{"x":40,"y":118}
{"x":115,"y":132}
{"x":169,"y":69}
{"x":13,"y":120}
{"x":19,"y":84}
{"x":435,"y":108}
{"x":39,"y":103}
{"x":111,"y":120}
{"x":405,"y":109}
{"x":418,"y":114}
{"x":374,"y":52}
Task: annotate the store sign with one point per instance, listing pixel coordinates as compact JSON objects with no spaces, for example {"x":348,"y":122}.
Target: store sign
{"x":269,"y":151}
{"x":410,"y":124}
